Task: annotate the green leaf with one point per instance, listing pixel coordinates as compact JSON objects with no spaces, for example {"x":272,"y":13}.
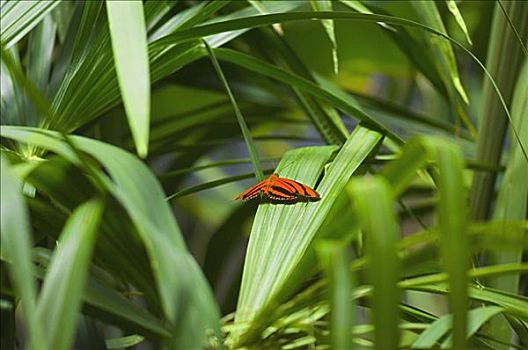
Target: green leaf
{"x":504,"y":62}
{"x":328,"y":24}
{"x":444,"y":53}
{"x":20,"y":17}
{"x":186,"y":299}
{"x":276,"y":250}
{"x":453,"y":8}
{"x":341,"y":100}
{"x":66,"y":276}
{"x":511,"y":204}
{"x":452,"y":220}
{"x":16,"y":249}
{"x":124,"y":342}
{"x":440,"y":327}
{"x":250,"y":144}
{"x":129,"y":44}
{"x":336,"y":261}
{"x":373,"y":200}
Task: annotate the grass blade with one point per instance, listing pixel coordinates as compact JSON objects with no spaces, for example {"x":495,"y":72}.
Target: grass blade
{"x":453,"y":8}
{"x":440,"y":327}
{"x":129,"y":44}
{"x":504,"y":61}
{"x":452,"y":220}
{"x":16,"y":249}
{"x":511,"y":204}
{"x":443,"y":49}
{"x":382,"y":232}
{"x":66,"y":276}
{"x":250,"y":144}
{"x":335,"y":262}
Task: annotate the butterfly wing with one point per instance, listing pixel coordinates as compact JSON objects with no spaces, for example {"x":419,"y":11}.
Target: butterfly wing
{"x":252,"y":192}
{"x":286,"y":189}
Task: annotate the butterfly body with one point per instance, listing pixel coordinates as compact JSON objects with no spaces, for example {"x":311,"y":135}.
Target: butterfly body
{"x":279,"y":189}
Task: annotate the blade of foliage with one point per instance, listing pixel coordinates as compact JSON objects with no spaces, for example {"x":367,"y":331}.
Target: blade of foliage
{"x":513,"y":304}
{"x":250,"y":144}
{"x":520,"y":327}
{"x":107,"y":304}
{"x":20,"y":17}
{"x":381,"y":231}
{"x":440,"y":327}
{"x":66,"y":276}
{"x":276,"y":249}
{"x":453,"y":8}
{"x":444,"y":53}
{"x":324,"y":117}
{"x":336,"y":261}
{"x":129,"y":43}
{"x":272,"y":227}
{"x":452,"y":217}
{"x":504,"y":60}
{"x":476,"y":318}
{"x":347,"y":105}
{"x":41,"y":43}
{"x":124,"y":342}
{"x":402,"y":171}
{"x":185,"y":296}
{"x":16,"y":249}
{"x":511,"y":204}
{"x":214,"y":183}
{"x":256,"y":21}
{"x":328,"y":24}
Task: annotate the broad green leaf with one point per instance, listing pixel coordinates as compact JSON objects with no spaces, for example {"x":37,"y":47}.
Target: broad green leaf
{"x":16,"y":249}
{"x":336,"y":261}
{"x":66,"y":275}
{"x":129,"y":44}
{"x":373,"y":200}
{"x":20,"y":17}
{"x":282,"y":235}
{"x":453,"y":8}
{"x":440,"y":327}
{"x":250,"y":144}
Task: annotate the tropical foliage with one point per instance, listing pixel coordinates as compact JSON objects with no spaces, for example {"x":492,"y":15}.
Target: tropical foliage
{"x":127,"y":127}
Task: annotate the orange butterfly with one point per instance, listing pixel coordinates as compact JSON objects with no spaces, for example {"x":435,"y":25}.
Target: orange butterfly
{"x":280,"y":189}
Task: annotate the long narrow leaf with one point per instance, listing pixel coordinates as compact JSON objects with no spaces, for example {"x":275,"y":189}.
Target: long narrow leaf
{"x":129,"y":44}
{"x":381,"y":230}
{"x":16,"y":249}
{"x":66,"y":275}
{"x":250,"y":144}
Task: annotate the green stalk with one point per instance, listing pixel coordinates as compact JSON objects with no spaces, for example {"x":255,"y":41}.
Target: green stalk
{"x":504,"y":60}
{"x":511,"y":202}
